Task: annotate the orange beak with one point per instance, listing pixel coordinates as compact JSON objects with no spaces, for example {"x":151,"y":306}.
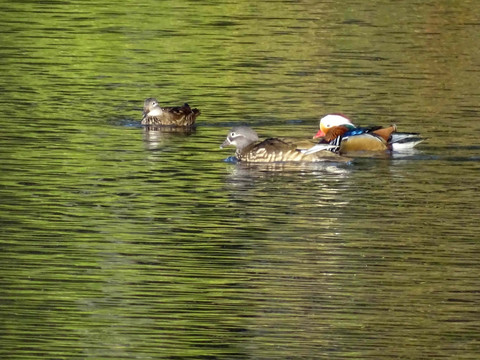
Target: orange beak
{"x":320,"y":133}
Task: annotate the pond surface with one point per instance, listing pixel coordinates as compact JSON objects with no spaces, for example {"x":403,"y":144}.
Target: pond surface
{"x":118,"y":243}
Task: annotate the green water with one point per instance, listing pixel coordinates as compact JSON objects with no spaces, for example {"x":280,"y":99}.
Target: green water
{"x":118,"y":243}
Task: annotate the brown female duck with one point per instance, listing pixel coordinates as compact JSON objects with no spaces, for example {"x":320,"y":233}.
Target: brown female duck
{"x":154,"y":115}
{"x":250,"y":149}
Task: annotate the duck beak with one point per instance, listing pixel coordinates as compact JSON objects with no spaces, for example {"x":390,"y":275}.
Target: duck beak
{"x":320,"y":133}
{"x":225,"y":143}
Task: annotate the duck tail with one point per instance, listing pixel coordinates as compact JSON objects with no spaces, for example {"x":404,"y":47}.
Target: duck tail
{"x":405,"y":141}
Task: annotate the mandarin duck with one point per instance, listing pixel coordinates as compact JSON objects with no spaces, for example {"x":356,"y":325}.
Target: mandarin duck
{"x":250,"y":149}
{"x":154,"y":115}
{"x":340,"y":135}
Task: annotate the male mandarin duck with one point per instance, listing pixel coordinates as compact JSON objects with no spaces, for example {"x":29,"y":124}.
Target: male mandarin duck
{"x":154,"y":115}
{"x":250,"y":149}
{"x":341,"y":136}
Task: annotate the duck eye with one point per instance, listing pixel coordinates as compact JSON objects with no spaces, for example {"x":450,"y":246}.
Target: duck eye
{"x":232,"y":134}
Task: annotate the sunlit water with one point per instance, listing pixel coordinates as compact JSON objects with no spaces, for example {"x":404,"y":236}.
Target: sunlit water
{"x":121,"y":243}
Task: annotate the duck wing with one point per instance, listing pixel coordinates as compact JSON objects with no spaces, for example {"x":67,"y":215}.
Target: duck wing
{"x":279,"y":150}
{"x":180,"y":115}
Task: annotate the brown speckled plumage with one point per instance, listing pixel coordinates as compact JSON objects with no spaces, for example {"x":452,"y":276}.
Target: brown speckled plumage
{"x":270,"y":150}
{"x":154,"y":115}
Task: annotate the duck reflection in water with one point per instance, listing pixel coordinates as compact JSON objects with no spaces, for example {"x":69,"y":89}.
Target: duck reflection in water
{"x":245,"y":173}
{"x":155,"y":137}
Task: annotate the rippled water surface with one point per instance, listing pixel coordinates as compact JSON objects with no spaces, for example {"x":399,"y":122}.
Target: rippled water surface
{"x":121,"y":243}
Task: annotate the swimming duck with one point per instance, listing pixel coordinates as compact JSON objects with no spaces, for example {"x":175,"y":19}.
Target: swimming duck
{"x":250,"y":149}
{"x":153,"y":114}
{"x":338,"y":131}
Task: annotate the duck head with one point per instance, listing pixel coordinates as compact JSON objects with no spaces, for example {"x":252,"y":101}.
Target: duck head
{"x":331,"y":120}
{"x":241,"y":137}
{"x":151,"y":108}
